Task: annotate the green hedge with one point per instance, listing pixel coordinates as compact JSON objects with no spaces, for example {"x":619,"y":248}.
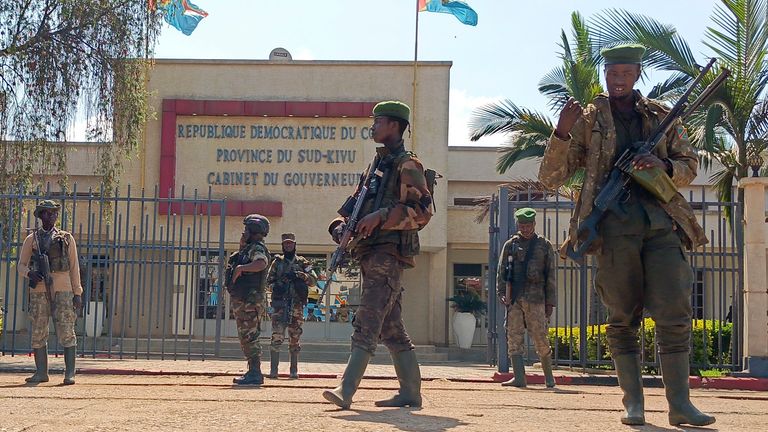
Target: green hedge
{"x":708,"y":336}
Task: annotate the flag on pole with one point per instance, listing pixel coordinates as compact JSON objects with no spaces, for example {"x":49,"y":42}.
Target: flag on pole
{"x":181,"y":14}
{"x":459,"y":9}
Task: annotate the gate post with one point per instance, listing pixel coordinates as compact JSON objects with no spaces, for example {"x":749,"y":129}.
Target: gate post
{"x":505,"y":231}
{"x":755,"y":277}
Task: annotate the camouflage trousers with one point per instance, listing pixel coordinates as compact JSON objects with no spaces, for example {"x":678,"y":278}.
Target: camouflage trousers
{"x":248,"y":314}
{"x":279,"y":326}
{"x":521,"y":315}
{"x":379,"y":315}
{"x":64,"y":319}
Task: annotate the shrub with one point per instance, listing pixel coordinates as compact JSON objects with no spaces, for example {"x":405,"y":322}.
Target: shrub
{"x":708,"y":338}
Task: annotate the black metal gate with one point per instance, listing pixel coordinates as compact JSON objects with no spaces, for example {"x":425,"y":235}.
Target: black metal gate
{"x":577,"y":332}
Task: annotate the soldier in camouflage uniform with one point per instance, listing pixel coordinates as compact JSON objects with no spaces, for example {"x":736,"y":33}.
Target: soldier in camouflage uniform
{"x":386,"y":242}
{"x":246,"y":282}
{"x":289,"y":279}
{"x":527,"y":285}
{"x":640,"y":259}
{"x":63,"y":295}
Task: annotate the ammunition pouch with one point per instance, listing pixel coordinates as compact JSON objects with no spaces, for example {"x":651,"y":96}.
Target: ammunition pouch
{"x":409,"y":243}
{"x":58,"y":254}
{"x":244,"y":285}
{"x":655,"y":181}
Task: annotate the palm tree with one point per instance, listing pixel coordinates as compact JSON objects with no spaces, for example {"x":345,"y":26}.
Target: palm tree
{"x":529,"y":130}
{"x":734,"y":122}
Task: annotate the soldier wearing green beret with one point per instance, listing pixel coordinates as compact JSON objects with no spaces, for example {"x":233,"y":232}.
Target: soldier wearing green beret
{"x":57,"y":294}
{"x":640,"y":259}
{"x":527,"y":285}
{"x":386,"y":242}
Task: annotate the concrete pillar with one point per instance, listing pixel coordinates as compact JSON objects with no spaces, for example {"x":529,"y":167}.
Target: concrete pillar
{"x":755,"y":276}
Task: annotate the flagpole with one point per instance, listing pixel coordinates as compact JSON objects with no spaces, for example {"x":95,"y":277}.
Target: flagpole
{"x":415,"y":66}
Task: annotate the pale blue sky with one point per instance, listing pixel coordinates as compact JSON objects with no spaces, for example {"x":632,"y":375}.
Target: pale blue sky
{"x":504,"y":56}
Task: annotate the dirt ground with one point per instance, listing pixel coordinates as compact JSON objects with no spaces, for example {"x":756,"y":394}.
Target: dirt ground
{"x":174,"y":403}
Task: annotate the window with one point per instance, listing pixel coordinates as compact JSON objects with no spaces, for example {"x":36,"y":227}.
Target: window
{"x":697,"y":296}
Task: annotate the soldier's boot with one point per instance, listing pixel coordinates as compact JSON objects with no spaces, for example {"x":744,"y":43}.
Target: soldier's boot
{"x":253,"y":376}
{"x":674,"y":372}
{"x":274,"y":362}
{"x":409,"y":376}
{"x":294,"y":365}
{"x":41,"y":366}
{"x":70,"y":353}
{"x":546,"y":366}
{"x":518,"y":368}
{"x":631,"y":383}
{"x":353,"y":374}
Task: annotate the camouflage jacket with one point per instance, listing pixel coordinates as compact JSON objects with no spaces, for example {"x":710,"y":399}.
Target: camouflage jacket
{"x":281,"y":267}
{"x":406,"y":207}
{"x":592,"y":146}
{"x":248,"y":282}
{"x":541,"y":285}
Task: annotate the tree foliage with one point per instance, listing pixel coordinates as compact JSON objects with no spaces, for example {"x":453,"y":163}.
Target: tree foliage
{"x":65,"y":59}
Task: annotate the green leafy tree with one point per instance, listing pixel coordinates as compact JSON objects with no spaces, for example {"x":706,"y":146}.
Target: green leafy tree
{"x":529,"y":130}
{"x":64,"y":58}
{"x":734,"y":122}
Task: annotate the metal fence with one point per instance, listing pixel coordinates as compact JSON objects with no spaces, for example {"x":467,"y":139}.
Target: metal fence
{"x":150,"y":270}
{"x":716,"y":300}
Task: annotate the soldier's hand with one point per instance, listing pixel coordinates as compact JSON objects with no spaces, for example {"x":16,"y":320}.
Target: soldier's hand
{"x":236,"y":274}
{"x":548,"y":310}
{"x":568,"y":117}
{"x":647,"y":161}
{"x":338,"y":231}
{"x":34,"y":277}
{"x":367,"y":224}
{"x":77,"y":302}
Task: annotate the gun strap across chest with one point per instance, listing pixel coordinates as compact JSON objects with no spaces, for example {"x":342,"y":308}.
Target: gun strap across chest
{"x":519,"y":283}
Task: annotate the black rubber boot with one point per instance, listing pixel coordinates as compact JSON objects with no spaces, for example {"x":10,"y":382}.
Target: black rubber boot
{"x":253,"y":376}
{"x":518,"y":368}
{"x":294,"y":365}
{"x":409,"y":376}
{"x":674,"y":372}
{"x":353,"y":374}
{"x":274,"y":362}
{"x":41,"y":366}
{"x":546,"y":367}
{"x":70,"y":354}
{"x":631,"y":383}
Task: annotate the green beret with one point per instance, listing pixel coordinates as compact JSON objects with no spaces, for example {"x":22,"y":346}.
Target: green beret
{"x":623,"y":54}
{"x":395,"y":109}
{"x":526,"y":215}
{"x":46,"y":205}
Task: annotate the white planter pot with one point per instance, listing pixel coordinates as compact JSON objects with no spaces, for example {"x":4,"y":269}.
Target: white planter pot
{"x":464,"y":328}
{"x":95,"y":316}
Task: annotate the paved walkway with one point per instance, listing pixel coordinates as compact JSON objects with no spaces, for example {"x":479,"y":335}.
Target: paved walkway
{"x":451,"y":371}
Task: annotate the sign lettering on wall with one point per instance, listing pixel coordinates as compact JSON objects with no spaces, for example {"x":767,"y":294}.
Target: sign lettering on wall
{"x":242,"y":155}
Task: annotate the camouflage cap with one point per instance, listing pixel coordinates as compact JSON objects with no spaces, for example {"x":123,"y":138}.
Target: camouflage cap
{"x":46,"y":205}
{"x":526,"y":214}
{"x":256,"y":223}
{"x":623,"y":54}
{"x":394,"y":109}
{"x":288,"y":237}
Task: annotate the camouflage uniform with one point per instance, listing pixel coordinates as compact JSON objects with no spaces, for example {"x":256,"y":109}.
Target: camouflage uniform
{"x":277,"y":270}
{"x":384,"y":255}
{"x":65,"y":273}
{"x":640,"y":260}
{"x":249,"y":311}
{"x":540,"y":288}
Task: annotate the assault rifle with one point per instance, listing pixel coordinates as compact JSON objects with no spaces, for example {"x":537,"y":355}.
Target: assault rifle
{"x":43,"y":266}
{"x":616,"y":188}
{"x":352,"y":218}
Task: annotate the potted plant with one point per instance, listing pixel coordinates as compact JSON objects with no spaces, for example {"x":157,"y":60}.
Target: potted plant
{"x":468,"y":306}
